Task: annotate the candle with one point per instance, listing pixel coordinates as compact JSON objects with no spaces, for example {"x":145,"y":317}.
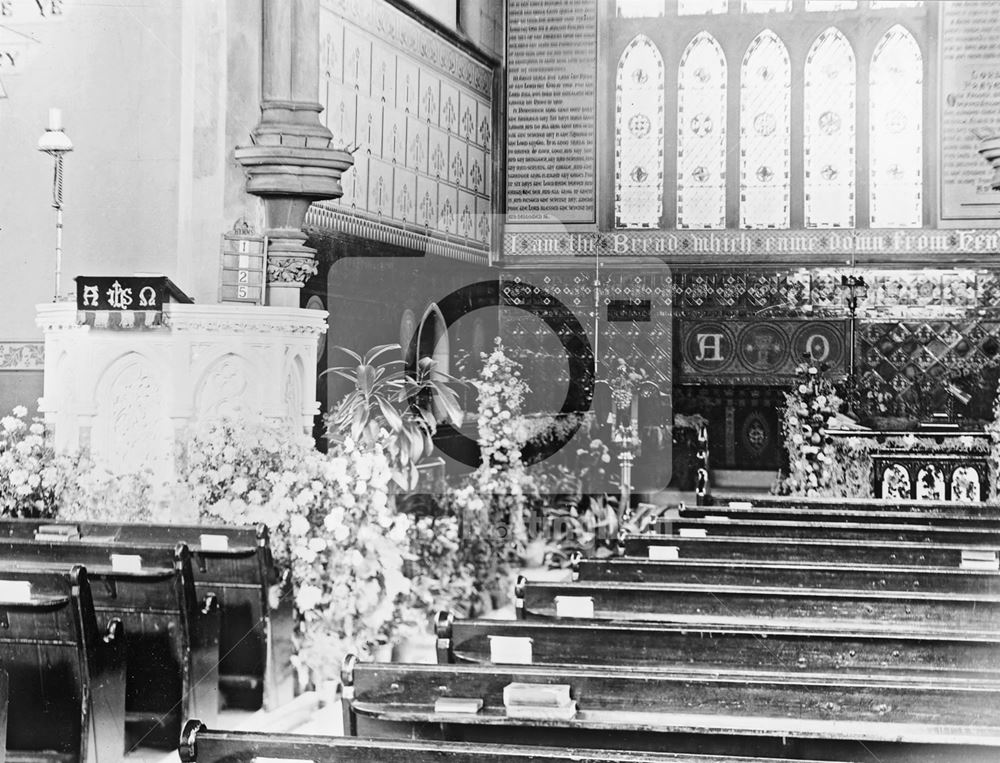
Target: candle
{"x":55,"y":119}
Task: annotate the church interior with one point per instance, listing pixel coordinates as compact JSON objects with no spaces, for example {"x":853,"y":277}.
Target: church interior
{"x":507,"y":380}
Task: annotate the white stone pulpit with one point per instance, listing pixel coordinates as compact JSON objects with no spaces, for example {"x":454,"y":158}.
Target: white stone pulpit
{"x":131,"y":395}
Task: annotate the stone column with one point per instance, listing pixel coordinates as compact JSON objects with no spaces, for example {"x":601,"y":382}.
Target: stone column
{"x":290,"y":163}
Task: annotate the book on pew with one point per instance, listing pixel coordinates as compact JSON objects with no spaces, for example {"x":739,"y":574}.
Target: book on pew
{"x":536,"y":695}
{"x":57,"y":533}
{"x":470,"y":705}
{"x":974,"y":559}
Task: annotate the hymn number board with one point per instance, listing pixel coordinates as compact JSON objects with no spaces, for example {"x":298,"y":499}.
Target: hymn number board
{"x":243,"y":267}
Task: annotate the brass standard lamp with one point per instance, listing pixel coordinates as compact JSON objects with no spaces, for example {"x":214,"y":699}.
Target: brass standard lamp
{"x":56,"y":143}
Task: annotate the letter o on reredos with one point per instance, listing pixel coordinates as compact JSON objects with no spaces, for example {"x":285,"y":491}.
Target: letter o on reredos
{"x":565,"y":325}
{"x":812,"y":342}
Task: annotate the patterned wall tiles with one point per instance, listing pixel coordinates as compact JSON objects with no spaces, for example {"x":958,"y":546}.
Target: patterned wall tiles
{"x":415,"y":112}
{"x":449,"y":108}
{"x":394,"y":136}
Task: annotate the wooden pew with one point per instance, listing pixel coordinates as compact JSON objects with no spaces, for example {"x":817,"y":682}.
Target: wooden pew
{"x":4,"y":694}
{"x":905,"y":533}
{"x":202,"y":745}
{"x":752,"y":643}
{"x":206,"y":746}
{"x":234,"y":563}
{"x":862,"y":577}
{"x":719,"y":500}
{"x":682,"y":602}
{"x":789,"y":715}
{"x":846,"y":552}
{"x":66,"y":670}
{"x":961,"y":515}
{"x":173,"y":646}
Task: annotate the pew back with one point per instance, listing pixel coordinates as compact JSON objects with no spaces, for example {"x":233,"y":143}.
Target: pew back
{"x":762,"y":645}
{"x":236,"y":565}
{"x":66,"y":672}
{"x":173,"y":646}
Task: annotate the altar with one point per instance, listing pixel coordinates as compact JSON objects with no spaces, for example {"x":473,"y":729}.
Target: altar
{"x":932,"y":462}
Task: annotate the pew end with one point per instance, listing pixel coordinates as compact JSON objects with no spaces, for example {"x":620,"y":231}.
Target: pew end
{"x":347,"y":694}
{"x":443,"y":623}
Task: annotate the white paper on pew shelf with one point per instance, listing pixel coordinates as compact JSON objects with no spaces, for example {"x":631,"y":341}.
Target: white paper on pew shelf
{"x":975,"y":559}
{"x":536,"y":695}
{"x":542,"y":713}
{"x":574,"y":606}
{"x":512,"y":650}
{"x":469,"y":705}
{"x":126,"y":563}
{"x":664,"y":553}
{"x":15,"y":591}
{"x":692,"y":532}
{"x":212,"y":542}
{"x":740,"y":505}
{"x":718,"y":518}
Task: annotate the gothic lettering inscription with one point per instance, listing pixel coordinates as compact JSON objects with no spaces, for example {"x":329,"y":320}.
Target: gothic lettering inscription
{"x":970,"y":102}
{"x":551,"y":110}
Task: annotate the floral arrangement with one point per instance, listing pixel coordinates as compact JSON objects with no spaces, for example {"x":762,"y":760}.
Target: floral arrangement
{"x":32,"y":476}
{"x":811,"y":405}
{"x":347,"y":549}
{"x":247,"y":474}
{"x":94,"y":494}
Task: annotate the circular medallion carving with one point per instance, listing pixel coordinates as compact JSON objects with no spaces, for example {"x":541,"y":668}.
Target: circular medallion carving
{"x":639,"y":125}
{"x":764,"y":123}
{"x":763,"y":347}
{"x":700,"y":174}
{"x":702,"y":125}
{"x":765,"y":174}
{"x":638,"y":174}
{"x":823,"y":342}
{"x":829,"y":122}
{"x":709,"y":347}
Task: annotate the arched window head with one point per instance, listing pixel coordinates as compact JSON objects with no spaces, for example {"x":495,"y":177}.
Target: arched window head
{"x":896,"y":131}
{"x":765,"y":118}
{"x":639,"y":136}
{"x":829,"y":132}
{"x":701,"y":135}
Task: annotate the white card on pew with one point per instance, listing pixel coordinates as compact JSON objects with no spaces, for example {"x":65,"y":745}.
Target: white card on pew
{"x":126,"y":563}
{"x":740,"y":505}
{"x":664,"y":553}
{"x":718,"y":518}
{"x":574,"y":606}
{"x":469,"y":705}
{"x":210,"y":542}
{"x":692,"y":532}
{"x":15,"y":591}
{"x":974,"y":559}
{"x":510,"y":650}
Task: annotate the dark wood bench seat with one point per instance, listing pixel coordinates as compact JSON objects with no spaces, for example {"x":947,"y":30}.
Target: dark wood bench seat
{"x":173,"y":645}
{"x":255,"y":637}
{"x":862,"y":577}
{"x":202,"y":745}
{"x":65,"y":670}
{"x":723,"y":499}
{"x":860,"y":718}
{"x":684,"y":602}
{"x":752,"y":643}
{"x":906,"y":533}
{"x":860,"y":513}
{"x":809,"y":550}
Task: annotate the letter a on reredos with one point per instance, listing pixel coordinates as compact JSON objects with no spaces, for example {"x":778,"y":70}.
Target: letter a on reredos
{"x":710,"y":347}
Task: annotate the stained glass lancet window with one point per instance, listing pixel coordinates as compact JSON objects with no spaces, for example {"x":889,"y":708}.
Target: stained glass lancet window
{"x":765,"y":85}
{"x":637,"y":9}
{"x":896,"y":131}
{"x":639,"y":136}
{"x":697,"y":7}
{"x":701,"y":135}
{"x":767,"y":6}
{"x":829,"y":132}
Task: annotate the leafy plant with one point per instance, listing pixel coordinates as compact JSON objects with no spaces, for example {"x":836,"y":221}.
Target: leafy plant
{"x":384,"y":397}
